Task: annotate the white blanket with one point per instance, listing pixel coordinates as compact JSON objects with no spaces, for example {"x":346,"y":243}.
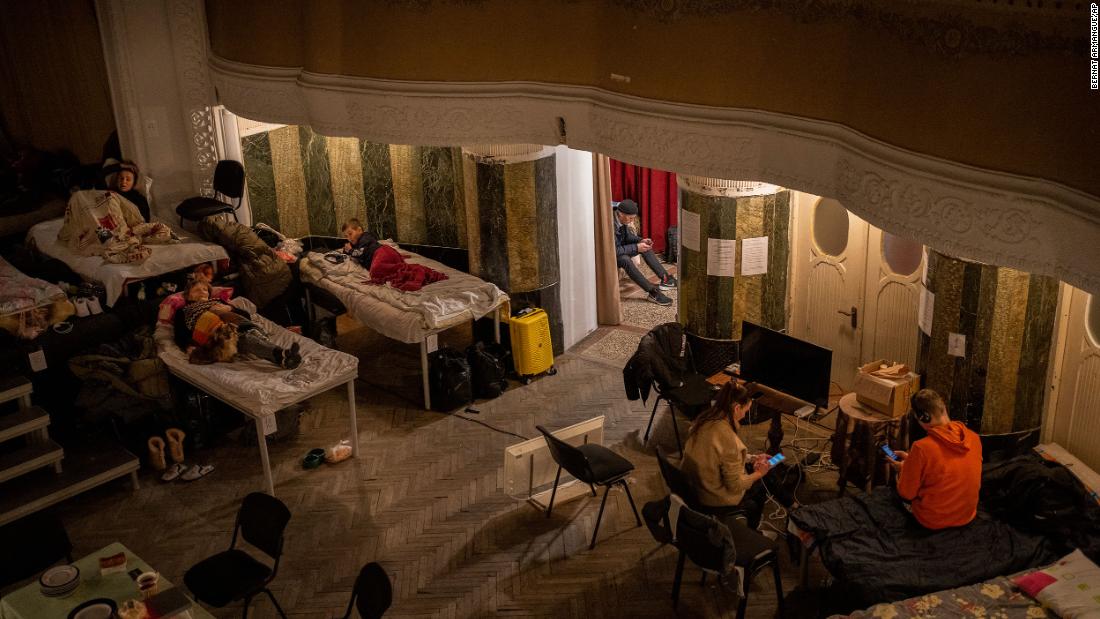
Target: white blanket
{"x":20,"y":292}
{"x":257,"y":387}
{"x":404,"y":316}
{"x":164,"y":259}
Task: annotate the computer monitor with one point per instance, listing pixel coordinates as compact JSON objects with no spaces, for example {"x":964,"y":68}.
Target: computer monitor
{"x":785,"y":363}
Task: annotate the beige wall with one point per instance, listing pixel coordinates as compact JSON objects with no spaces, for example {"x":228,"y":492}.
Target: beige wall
{"x":1019,"y":110}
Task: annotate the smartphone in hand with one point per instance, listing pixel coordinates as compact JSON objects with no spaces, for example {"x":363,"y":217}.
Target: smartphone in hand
{"x":776,"y":459}
{"x":889,"y":453}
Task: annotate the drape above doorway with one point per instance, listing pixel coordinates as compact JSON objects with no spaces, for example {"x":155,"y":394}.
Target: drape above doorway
{"x":656,"y":193}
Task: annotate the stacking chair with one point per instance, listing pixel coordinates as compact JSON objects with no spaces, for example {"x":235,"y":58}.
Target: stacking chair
{"x":679,"y":485}
{"x":680,"y":386}
{"x":234,"y":574}
{"x":228,"y":184}
{"x":34,"y":543}
{"x":594,"y":465}
{"x":372,"y":594}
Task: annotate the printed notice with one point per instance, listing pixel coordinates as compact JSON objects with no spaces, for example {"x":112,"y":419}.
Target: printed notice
{"x":754,"y":256}
{"x":924,"y":312}
{"x":689,"y":230}
{"x":956,"y":344}
{"x":721,"y":257}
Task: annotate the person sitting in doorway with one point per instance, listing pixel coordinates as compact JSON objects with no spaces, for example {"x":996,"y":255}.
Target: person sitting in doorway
{"x":628,"y":245}
{"x":941,"y":475}
{"x":211,"y":330}
{"x":718,"y":464}
{"x":361,"y":244}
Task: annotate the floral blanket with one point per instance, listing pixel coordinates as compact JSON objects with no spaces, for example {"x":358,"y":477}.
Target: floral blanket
{"x":993,"y":599}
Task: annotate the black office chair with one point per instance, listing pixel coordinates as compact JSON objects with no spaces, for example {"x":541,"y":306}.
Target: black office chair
{"x":594,"y":465}
{"x":234,"y":574}
{"x":679,"y":485}
{"x":34,"y":543}
{"x":716,"y":547}
{"x":372,"y":594}
{"x":228,"y":183}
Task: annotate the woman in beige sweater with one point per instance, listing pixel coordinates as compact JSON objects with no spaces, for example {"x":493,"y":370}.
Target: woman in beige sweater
{"x":717,"y":463}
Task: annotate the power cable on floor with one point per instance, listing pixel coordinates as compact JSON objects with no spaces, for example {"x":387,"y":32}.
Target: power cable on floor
{"x":482,"y":423}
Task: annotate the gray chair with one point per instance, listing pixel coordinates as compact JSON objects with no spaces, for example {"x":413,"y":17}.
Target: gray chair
{"x":594,"y":465}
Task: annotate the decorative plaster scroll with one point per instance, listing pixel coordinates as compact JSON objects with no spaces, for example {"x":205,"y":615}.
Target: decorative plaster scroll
{"x":720,"y":187}
{"x":507,"y":153}
{"x":1032,"y":224}
{"x":189,"y":48}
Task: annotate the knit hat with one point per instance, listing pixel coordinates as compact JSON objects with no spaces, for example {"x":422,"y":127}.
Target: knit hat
{"x":628,"y":207}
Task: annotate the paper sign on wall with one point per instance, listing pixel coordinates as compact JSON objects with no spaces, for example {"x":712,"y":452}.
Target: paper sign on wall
{"x":689,"y":230}
{"x":721,"y":257}
{"x":924,"y":312}
{"x":956,"y":344}
{"x":754,"y":256}
{"x":37,"y":360}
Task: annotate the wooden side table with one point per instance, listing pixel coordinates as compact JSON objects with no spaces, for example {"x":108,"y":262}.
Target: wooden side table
{"x":860,"y":430}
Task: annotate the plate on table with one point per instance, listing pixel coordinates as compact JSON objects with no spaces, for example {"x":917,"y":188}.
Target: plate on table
{"x":59,"y":581}
{"x":99,"y":608}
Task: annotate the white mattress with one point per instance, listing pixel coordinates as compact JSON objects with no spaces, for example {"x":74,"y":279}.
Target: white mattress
{"x":259,"y":388}
{"x":164,"y":259}
{"x":20,"y":292}
{"x":404,"y":316}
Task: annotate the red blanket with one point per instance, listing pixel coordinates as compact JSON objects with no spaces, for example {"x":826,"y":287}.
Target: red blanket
{"x":387,"y":266}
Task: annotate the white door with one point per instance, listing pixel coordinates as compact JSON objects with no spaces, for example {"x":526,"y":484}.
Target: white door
{"x":891,"y":298}
{"x":1076,"y":421}
{"x":827,"y":296}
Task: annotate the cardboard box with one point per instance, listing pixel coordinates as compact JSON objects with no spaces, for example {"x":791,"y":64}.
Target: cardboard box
{"x":886,"y":390}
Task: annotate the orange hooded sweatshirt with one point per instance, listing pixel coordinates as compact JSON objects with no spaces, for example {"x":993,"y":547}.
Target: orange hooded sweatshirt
{"x":942,"y":476}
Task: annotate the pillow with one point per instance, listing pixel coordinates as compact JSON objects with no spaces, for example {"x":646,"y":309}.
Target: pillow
{"x":1070,"y":587}
{"x":171,"y":304}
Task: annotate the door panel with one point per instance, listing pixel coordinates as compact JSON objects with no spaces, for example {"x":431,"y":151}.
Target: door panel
{"x":892,"y":297}
{"x":1077,"y":413}
{"x":830,"y":283}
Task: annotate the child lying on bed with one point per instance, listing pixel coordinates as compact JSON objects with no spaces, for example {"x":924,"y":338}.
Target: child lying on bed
{"x":211,"y":330}
{"x":386,"y":264}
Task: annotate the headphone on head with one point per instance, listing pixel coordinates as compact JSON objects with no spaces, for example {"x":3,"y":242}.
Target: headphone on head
{"x":922,"y":416}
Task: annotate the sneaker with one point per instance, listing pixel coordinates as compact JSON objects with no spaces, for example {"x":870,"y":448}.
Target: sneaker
{"x":669,"y":282}
{"x":656,"y":296}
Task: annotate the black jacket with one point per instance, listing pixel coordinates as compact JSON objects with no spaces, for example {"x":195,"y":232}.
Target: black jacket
{"x":364,"y":248}
{"x":658,"y":359}
{"x":626,"y":242}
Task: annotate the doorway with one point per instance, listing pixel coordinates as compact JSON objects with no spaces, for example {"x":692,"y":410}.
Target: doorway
{"x":1076,"y":419}
{"x":855,"y":287}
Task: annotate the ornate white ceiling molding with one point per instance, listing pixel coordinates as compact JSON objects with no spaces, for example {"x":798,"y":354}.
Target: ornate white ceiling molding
{"x":1005,"y":219}
{"x":507,"y":153}
{"x":189,"y":49}
{"x":724,"y":188}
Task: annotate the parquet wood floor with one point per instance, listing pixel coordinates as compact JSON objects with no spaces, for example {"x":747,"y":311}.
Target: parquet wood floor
{"x":425,"y":500}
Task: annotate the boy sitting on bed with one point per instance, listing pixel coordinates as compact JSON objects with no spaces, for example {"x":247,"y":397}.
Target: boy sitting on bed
{"x":361,"y":244}
{"x":211,"y":330}
{"x":941,"y":475}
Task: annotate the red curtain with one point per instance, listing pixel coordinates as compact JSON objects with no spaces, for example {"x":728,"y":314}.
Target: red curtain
{"x":655,"y":191}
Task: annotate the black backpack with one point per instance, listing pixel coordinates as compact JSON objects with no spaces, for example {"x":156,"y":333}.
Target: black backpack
{"x":449,"y":379}
{"x":490,"y":365}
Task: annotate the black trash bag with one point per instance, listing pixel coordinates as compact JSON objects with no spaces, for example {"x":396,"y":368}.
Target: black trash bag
{"x":489,"y":364}
{"x":449,"y":379}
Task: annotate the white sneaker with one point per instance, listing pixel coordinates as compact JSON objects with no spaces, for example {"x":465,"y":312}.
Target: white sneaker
{"x":81,"y":307}
{"x":93,"y":306}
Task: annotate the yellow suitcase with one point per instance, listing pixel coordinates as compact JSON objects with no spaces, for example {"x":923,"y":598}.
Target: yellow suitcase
{"x":532,"y":351}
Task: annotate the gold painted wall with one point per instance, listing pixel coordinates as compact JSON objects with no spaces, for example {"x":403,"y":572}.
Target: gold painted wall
{"x":999,"y":87}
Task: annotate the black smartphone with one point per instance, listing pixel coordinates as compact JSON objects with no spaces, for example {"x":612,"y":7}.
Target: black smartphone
{"x":889,"y":452}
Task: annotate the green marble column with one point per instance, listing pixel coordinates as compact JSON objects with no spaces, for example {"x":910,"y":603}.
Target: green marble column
{"x":1007,"y":317}
{"x":713,"y":306}
{"x":512,"y":225}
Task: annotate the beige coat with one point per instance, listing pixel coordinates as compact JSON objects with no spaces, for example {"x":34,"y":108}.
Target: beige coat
{"x":714,"y":463}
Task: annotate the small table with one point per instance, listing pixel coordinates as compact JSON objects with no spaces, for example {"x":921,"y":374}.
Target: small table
{"x":860,"y":430}
{"x":29,"y":603}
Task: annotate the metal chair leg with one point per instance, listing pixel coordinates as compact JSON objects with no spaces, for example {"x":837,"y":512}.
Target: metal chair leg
{"x":592,"y":487}
{"x":703,"y":580}
{"x":652,"y":414}
{"x":247,"y":603}
{"x":744,"y":604}
{"x":275,"y":602}
{"x":677,"y":579}
{"x":676,"y":428}
{"x":778,"y":588}
{"x":630,"y":498}
{"x":550,"y":507}
{"x":599,"y":517}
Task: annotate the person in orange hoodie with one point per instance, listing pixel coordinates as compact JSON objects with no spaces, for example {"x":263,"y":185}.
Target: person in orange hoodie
{"x":941,"y":475}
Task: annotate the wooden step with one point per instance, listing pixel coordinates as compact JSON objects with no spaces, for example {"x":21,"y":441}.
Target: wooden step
{"x":14,"y":388}
{"x":85,"y":467}
{"x":26,"y":459}
{"x":22,"y":421}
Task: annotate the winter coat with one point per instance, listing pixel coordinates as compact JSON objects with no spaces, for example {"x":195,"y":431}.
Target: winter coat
{"x":264,"y":276}
{"x":658,"y":358}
